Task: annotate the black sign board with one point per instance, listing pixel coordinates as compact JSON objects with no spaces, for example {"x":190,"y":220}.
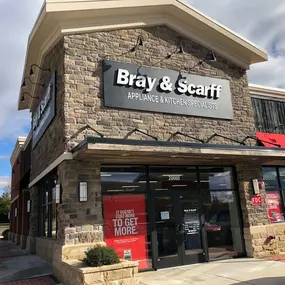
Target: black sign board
{"x":45,"y":112}
{"x":129,"y":86}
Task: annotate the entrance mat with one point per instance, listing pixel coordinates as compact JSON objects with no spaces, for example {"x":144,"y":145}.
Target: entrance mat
{"x":46,"y":280}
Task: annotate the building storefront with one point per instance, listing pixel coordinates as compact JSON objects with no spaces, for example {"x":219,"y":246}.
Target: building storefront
{"x":145,"y":137}
{"x":170,"y":216}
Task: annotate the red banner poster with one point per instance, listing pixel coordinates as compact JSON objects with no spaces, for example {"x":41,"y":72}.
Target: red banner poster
{"x":274,"y":208}
{"x":125,"y":227}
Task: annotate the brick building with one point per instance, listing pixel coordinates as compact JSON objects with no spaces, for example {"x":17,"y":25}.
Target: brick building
{"x":147,"y":136}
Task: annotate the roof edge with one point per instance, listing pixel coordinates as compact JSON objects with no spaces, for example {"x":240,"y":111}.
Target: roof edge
{"x":17,"y":149}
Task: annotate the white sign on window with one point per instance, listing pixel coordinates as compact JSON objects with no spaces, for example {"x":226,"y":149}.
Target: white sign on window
{"x":164,"y":215}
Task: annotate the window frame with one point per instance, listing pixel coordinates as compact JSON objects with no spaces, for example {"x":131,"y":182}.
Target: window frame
{"x":47,"y":185}
{"x":279,"y":189}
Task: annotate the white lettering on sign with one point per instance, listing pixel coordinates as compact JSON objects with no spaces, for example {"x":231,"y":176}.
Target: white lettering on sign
{"x":125,"y":223}
{"x":125,"y":78}
{"x":38,"y":115}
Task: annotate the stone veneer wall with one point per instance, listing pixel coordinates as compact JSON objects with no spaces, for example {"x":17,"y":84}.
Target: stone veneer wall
{"x":34,"y":220}
{"x":84,"y":86}
{"x":80,"y":222}
{"x":257,"y":227}
{"x":51,"y":145}
{"x":45,"y":248}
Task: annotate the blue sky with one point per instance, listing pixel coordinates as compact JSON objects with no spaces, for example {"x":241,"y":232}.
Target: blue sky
{"x":261,"y":21}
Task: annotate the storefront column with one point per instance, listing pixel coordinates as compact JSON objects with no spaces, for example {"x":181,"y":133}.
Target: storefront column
{"x":34,"y":220}
{"x":80,"y":223}
{"x":19,"y":218}
{"x":255,"y":217}
{"x":24,"y":218}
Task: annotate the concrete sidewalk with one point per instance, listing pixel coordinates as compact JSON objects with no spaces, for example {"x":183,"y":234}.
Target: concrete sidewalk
{"x":226,"y":272}
{"x":19,"y":267}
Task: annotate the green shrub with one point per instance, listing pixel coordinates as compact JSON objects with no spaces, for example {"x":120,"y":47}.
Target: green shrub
{"x":100,"y":255}
{"x":5,"y":234}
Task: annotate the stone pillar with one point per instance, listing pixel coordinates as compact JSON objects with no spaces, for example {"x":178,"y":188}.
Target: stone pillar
{"x":80,"y":222}
{"x":255,"y":218}
{"x":34,"y":220}
{"x":25,"y":218}
{"x":19,"y":218}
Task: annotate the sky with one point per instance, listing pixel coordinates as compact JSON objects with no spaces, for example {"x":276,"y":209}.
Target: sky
{"x":260,"y":21}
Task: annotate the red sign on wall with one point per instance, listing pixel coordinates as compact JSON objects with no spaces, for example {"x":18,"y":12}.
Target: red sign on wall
{"x":274,"y":208}
{"x":256,"y":200}
{"x":125,"y":227}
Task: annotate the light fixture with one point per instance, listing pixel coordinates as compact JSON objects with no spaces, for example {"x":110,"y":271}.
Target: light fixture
{"x":16,"y":212}
{"x":210,"y":57}
{"x":32,"y":72}
{"x":130,"y":186}
{"x":28,"y":206}
{"x":179,"y":185}
{"x":24,"y":83}
{"x":57,"y":193}
{"x":83,"y":191}
{"x":179,"y":50}
{"x":167,"y":175}
{"x":105,"y":175}
{"x":143,"y":181}
{"x":26,"y":93}
{"x":139,"y":43}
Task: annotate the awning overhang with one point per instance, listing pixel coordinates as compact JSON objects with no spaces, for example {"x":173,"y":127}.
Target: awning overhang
{"x":271,"y":140}
{"x":115,"y":151}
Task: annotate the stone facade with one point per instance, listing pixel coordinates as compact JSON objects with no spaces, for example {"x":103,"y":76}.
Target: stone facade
{"x":79,"y":101}
{"x":51,"y":145}
{"x":84,"y":86}
{"x":75,"y":273}
{"x":80,"y":222}
{"x":45,"y":248}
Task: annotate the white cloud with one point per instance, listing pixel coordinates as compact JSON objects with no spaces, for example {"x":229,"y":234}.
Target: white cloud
{"x":260,"y":21}
{"x":4,"y":180}
{"x":16,"y":21}
{"x":4,"y":157}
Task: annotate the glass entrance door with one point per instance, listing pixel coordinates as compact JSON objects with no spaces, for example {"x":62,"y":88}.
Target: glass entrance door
{"x":191,"y":230}
{"x":179,"y":230}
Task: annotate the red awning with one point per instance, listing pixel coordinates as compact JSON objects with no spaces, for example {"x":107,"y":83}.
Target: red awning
{"x":271,"y":140}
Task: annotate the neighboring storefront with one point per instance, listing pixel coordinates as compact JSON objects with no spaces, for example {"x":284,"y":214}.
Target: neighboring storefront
{"x":145,"y":137}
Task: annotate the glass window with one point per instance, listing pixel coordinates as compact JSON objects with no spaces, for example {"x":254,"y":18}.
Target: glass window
{"x":126,"y":227}
{"x":123,"y":180}
{"x":48,"y":212}
{"x":163,"y":179}
{"x":274,"y":203}
{"x":222,"y":224}
{"x":282,"y":177}
{"x":270,"y":178}
{"x":216,"y":178}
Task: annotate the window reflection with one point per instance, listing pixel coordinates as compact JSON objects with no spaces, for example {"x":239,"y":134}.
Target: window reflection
{"x":216,"y":178}
{"x":123,"y":180}
{"x":178,"y":178}
{"x":270,"y":178}
{"x":222,"y":224}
